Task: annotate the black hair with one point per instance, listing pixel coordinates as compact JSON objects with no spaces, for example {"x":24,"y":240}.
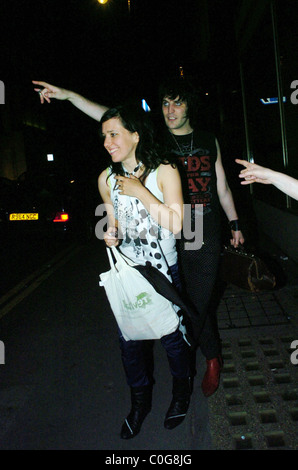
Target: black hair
{"x":135,"y":119}
{"x":186,"y":91}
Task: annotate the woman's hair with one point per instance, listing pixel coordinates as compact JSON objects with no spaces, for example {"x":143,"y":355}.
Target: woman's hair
{"x":134,"y":119}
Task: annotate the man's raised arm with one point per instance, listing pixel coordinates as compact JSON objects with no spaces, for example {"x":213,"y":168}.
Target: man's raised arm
{"x":48,"y":92}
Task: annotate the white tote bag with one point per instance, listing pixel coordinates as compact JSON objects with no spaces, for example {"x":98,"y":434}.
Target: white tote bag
{"x":141,"y":313}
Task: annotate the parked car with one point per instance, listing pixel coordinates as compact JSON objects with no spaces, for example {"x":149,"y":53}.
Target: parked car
{"x":50,"y":204}
{"x":7,"y":188}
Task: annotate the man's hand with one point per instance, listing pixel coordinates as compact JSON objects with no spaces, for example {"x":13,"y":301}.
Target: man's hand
{"x":237,"y":238}
{"x":49,"y":91}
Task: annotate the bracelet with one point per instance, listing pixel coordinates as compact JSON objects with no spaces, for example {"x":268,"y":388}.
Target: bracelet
{"x":234,"y":225}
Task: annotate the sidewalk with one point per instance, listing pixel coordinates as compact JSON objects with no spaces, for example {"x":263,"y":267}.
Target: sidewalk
{"x":256,"y":405}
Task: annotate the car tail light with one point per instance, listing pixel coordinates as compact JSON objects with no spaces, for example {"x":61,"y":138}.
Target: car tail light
{"x":61,"y":217}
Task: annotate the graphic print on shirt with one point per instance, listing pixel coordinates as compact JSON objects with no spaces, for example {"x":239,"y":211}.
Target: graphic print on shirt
{"x":197,"y":170}
{"x":141,"y":233}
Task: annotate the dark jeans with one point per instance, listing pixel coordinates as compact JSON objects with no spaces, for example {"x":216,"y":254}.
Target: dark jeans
{"x":199,"y":272}
{"x":137,"y":359}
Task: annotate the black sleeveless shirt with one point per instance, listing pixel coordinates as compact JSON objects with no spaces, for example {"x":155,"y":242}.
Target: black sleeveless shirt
{"x":195,"y":155}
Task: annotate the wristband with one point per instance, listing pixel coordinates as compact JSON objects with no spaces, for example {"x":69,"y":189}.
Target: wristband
{"x":234,"y":225}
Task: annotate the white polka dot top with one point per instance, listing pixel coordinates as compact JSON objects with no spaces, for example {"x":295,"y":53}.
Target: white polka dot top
{"x":144,"y":241}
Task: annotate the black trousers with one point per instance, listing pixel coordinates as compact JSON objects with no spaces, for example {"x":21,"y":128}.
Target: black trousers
{"x":199,"y":270}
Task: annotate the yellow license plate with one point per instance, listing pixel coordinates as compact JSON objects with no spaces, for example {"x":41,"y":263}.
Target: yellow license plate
{"x":24,"y":216}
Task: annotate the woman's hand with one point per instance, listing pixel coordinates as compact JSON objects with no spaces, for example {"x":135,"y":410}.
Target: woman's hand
{"x":254,"y":173}
{"x":129,"y":186}
{"x":111,"y":237}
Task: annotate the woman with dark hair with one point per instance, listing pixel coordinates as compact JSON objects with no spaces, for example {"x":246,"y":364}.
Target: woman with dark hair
{"x":134,"y":119}
{"x":197,"y":155}
{"x":144,"y":204}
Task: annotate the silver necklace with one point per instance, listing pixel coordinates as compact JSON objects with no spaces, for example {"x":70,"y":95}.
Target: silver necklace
{"x":134,"y":171}
{"x":180,"y":150}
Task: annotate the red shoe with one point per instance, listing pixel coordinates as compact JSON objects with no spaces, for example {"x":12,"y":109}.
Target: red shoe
{"x":211,"y":378}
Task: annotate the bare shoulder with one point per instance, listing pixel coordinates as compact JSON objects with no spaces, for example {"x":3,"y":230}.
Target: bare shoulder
{"x":168,"y":177}
{"x":102,"y":179}
{"x":103,"y":184}
{"x":166,"y":170}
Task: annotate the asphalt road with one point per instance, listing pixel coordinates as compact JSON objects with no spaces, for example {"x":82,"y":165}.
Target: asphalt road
{"x":22,"y":254}
{"x":62,"y":385}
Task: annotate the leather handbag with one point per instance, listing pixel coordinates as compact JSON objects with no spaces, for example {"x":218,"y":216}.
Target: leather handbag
{"x":245,"y":270}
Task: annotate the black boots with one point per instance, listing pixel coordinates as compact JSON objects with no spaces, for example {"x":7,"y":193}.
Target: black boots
{"x":179,"y":404}
{"x":141,"y":400}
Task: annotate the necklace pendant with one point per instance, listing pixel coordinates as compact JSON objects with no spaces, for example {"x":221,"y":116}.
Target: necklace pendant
{"x":134,"y":171}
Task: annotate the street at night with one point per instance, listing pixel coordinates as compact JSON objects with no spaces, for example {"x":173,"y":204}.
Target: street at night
{"x":67,"y":378}
{"x":62,"y":383}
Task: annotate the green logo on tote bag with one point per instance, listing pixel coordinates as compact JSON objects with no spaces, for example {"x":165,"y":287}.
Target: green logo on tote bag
{"x":142,"y":300}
